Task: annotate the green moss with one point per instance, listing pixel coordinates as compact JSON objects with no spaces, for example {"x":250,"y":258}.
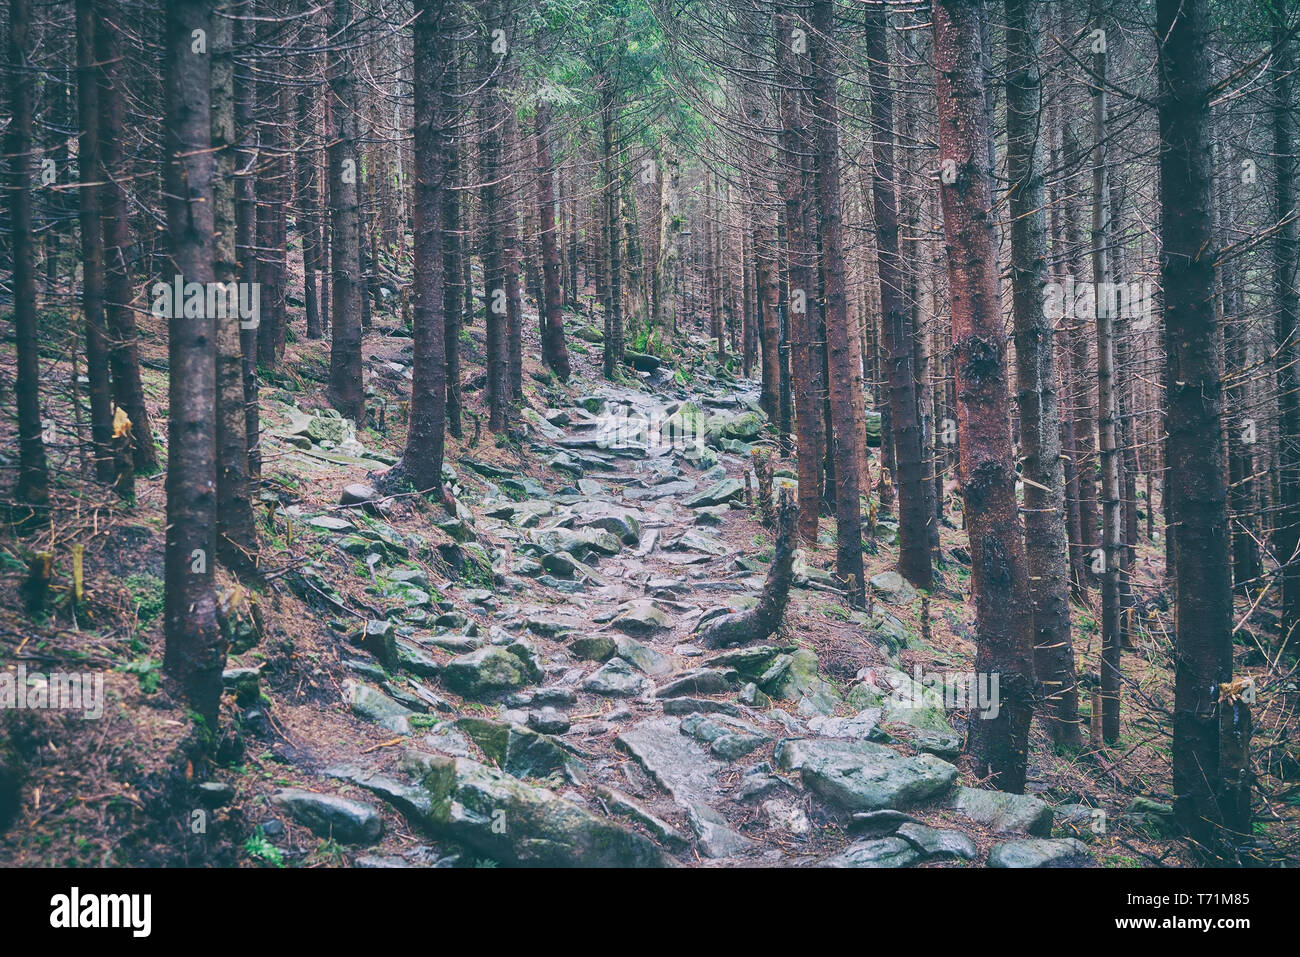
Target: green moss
{"x":148,"y":596}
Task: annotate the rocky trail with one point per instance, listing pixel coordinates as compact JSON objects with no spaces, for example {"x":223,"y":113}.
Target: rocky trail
{"x":549,"y":703}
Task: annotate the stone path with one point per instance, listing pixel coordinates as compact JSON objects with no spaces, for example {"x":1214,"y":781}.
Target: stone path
{"x":556,"y":708}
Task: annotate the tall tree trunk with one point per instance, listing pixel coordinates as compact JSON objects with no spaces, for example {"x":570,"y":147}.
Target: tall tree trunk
{"x":422,"y":460}
{"x":1040,"y":421}
{"x":913,"y":522}
{"x":308,"y":199}
{"x":346,"y":391}
{"x":245,"y":240}
{"x":195,"y":650}
{"x":236,"y":532}
{"x":805,"y":374}
{"x":123,"y":344}
{"x":491,"y":128}
{"x":1286,"y":313}
{"x":613,"y":345}
{"x":1003,"y":615}
{"x":32,"y":493}
{"x":92,"y":246}
{"x":554,"y":353}
{"x":1203,"y":589}
{"x":844,"y":437}
{"x":455,"y":262}
{"x":1084,"y":451}
{"x":1107,"y":410}
{"x":510,"y":257}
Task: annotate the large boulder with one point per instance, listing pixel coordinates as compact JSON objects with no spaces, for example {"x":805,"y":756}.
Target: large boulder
{"x":1056,"y":852}
{"x":642,"y":617}
{"x":505,"y":819}
{"x":893,"y":588}
{"x":331,"y":816}
{"x":1002,"y":812}
{"x":799,"y":681}
{"x":724,"y":491}
{"x":487,"y":670}
{"x":515,"y":749}
{"x":862,"y":776}
{"x":879,"y":852}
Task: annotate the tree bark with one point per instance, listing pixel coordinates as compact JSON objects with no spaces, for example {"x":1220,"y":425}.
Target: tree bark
{"x":123,"y":344}
{"x":1040,"y":421}
{"x":1003,"y":614}
{"x":913,"y":522}
{"x":805,"y":374}
{"x":346,"y":389}
{"x":92,"y":246}
{"x":236,"y":531}
{"x":1203,"y":588}
{"x":554,"y":353}
{"x":195,"y":650}
{"x":421,"y":463}
{"x":32,"y":493}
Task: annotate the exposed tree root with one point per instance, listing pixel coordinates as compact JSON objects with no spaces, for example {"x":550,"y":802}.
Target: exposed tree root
{"x":764,"y":618}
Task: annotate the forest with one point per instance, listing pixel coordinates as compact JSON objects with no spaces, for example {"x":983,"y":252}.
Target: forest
{"x":643,"y":433}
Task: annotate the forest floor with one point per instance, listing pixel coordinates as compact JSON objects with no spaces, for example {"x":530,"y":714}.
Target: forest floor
{"x":521,"y":684}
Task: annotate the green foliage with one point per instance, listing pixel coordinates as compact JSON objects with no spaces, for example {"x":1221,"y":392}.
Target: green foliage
{"x":261,"y":849}
{"x":148,"y":596}
{"x":148,"y":671}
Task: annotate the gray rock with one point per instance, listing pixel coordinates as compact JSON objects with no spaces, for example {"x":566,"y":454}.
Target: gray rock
{"x":879,"y":852}
{"x":516,"y":749}
{"x":757,"y":782}
{"x":934,"y":842}
{"x":676,"y":763}
{"x":486,"y":670}
{"x":893,"y":588}
{"x":1053,"y":852}
{"x":715,"y":836}
{"x":728,"y":738}
{"x":616,"y":679}
{"x":747,"y":425}
{"x":244,"y":682}
{"x":505,"y":819}
{"x":642,"y":618}
{"x":697,"y":682}
{"x":329,"y":523}
{"x":681,"y":767}
{"x":861,"y":776}
{"x":903,"y":699}
{"x":642,"y":657}
{"x":688,"y":705}
{"x":620,"y":803}
{"x":380,"y":639}
{"x":751,"y":661}
{"x":800,"y":682}
{"x":561,"y":564}
{"x":593,"y":648}
{"x":359,"y":493}
{"x":1153,"y":818}
{"x":548,"y":721}
{"x":417,"y":661}
{"x":724,"y":491}
{"x":1003,"y":813}
{"x":373,"y":705}
{"x":331,"y":816}
{"x":861,"y":726}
